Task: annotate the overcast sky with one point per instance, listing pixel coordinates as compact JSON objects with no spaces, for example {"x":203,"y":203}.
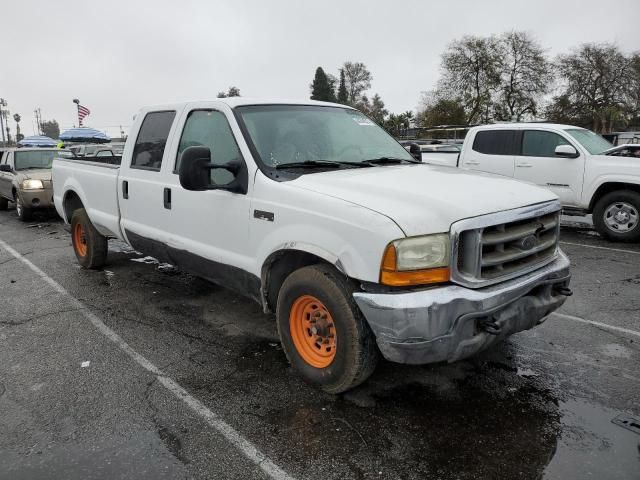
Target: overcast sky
{"x":116,"y":56}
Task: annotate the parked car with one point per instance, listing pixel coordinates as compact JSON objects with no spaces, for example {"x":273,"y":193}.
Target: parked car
{"x":628,"y":150}
{"x":84,"y":149}
{"x":316,"y":213}
{"x":25,"y":178}
{"x":570,"y":161}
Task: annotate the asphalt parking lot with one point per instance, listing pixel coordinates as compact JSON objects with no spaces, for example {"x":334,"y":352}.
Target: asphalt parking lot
{"x":141,"y":371}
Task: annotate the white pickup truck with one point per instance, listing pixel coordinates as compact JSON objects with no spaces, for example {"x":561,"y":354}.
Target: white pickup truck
{"x":570,"y":161}
{"x":316,"y":213}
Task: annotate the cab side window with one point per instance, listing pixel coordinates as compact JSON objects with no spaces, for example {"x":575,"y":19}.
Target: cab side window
{"x":152,"y":138}
{"x":536,"y":143}
{"x":496,"y":142}
{"x":210,"y":128}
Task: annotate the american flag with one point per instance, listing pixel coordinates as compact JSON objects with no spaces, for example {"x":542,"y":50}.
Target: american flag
{"x":82,"y":112}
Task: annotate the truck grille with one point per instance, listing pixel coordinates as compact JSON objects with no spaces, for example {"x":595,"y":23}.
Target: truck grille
{"x":502,"y":249}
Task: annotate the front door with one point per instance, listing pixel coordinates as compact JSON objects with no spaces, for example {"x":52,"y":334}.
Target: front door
{"x":6,"y":178}
{"x":208,"y":232}
{"x":538,"y":163}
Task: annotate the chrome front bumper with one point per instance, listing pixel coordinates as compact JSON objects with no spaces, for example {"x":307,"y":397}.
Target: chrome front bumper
{"x":453,"y":322}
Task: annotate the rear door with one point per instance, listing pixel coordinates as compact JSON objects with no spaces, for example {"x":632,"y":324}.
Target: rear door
{"x":491,"y":151}
{"x":537,"y":163}
{"x":144,"y":220}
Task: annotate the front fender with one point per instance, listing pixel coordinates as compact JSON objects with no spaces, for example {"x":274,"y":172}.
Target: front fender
{"x":591,"y":189}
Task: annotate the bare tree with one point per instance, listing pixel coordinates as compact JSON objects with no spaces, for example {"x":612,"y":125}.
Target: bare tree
{"x":357,"y":80}
{"x":471,"y":72}
{"x":598,"y":84}
{"x":525,"y":76}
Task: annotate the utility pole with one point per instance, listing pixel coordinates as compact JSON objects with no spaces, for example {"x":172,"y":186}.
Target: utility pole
{"x":38,"y":115}
{"x":3,"y":103}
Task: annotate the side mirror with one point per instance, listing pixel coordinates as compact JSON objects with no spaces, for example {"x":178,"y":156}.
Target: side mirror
{"x":566,"y":151}
{"x":5,"y":168}
{"x":415,"y":151}
{"x":195,"y":172}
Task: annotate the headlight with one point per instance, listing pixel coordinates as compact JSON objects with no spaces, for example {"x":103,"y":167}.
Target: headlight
{"x":32,"y":185}
{"x":416,"y":261}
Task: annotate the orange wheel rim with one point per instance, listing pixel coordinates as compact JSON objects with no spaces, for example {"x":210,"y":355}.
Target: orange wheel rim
{"x":313,"y":331}
{"x":80,"y":240}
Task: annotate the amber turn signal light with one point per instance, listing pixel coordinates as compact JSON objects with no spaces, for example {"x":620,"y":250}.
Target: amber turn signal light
{"x":389,"y":275}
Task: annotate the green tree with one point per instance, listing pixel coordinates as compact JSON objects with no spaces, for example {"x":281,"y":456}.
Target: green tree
{"x":231,"y":92}
{"x":357,"y":80}
{"x":343,"y":96}
{"x":50,"y":128}
{"x":321,"y":87}
{"x":437,"y":110}
{"x":377,"y":110}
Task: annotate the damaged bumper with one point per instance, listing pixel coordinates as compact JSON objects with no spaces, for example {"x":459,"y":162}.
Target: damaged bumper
{"x":454,"y":322}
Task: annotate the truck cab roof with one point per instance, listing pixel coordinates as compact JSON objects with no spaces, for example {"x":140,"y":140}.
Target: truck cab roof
{"x":233,"y":102}
{"x":526,"y":125}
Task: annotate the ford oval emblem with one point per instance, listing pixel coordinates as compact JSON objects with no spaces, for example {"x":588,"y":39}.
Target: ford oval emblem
{"x":528,"y":242}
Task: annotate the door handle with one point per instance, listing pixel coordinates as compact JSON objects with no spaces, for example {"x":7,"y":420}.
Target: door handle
{"x":167,"y":198}
{"x":125,"y":189}
{"x":524,"y":165}
{"x":471,"y":163}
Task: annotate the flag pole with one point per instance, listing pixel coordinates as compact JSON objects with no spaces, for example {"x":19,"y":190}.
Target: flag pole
{"x":77,"y":102}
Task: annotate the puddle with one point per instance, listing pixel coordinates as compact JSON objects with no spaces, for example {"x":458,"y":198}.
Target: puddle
{"x":591,"y":446}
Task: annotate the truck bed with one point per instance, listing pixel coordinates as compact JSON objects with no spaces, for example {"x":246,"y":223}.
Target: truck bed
{"x":96,"y":184}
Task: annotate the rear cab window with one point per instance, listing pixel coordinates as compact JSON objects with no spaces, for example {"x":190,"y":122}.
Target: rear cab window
{"x":152,"y":140}
{"x":496,"y":142}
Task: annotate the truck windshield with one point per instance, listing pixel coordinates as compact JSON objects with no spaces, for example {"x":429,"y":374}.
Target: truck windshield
{"x":295,"y":134}
{"x":593,"y":142}
{"x":34,"y":159}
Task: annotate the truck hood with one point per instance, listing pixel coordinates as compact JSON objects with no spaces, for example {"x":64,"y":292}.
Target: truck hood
{"x":422,"y":198}
{"x":39,"y":174}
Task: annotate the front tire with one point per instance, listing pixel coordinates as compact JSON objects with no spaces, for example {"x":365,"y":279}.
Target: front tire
{"x":89,"y":245}
{"x":24,"y":214}
{"x":616,"y":216}
{"x":4,"y":204}
{"x":323,"y":333}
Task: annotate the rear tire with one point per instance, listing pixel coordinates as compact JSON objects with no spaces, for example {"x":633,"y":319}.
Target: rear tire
{"x":341,"y":352}
{"x":24,"y":214}
{"x":4,"y":204}
{"x":616,"y":216}
{"x":89,"y":245}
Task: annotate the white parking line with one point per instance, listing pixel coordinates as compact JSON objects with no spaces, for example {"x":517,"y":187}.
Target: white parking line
{"x":601,"y":248}
{"x":212,"y":419}
{"x":597,"y":324}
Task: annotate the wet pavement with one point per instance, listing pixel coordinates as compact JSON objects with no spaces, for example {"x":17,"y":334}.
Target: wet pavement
{"x":540,"y":405}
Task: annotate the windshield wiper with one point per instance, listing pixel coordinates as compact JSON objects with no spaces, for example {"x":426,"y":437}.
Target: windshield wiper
{"x":389,"y":161}
{"x":320,"y":164}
